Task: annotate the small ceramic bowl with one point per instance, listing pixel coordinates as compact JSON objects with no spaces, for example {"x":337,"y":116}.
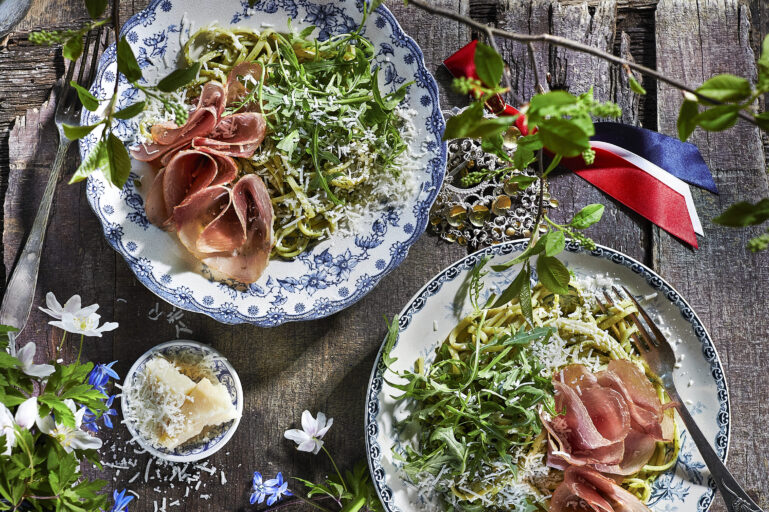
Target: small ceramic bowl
{"x":190,"y":451}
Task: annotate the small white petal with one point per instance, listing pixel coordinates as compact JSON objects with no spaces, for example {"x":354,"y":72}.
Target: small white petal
{"x":87,"y":311}
{"x":6,"y":418}
{"x":27,"y":354}
{"x":108,"y":326}
{"x":322,"y":432}
{"x":39,"y":370}
{"x":46,"y":425}
{"x":310,"y":446}
{"x":72,"y":305}
{"x":297,"y":436}
{"x":26,"y":414}
{"x":81,"y":440}
{"x":309,"y":424}
{"x":54,"y":308}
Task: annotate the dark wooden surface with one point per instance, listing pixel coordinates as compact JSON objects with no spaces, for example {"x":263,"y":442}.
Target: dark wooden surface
{"x":324,"y":365}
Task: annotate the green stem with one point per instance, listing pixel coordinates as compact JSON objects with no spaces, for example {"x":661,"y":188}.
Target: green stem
{"x":339,"y":473}
{"x":62,"y":341}
{"x":311,"y":503}
{"x":80,"y":350}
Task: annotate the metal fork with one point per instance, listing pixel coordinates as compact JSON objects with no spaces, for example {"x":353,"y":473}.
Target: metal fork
{"x":656,"y":350}
{"x":20,"y":292}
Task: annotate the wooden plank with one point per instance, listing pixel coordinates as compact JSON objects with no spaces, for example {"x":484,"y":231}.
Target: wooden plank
{"x":620,"y":228}
{"x":724,"y":283}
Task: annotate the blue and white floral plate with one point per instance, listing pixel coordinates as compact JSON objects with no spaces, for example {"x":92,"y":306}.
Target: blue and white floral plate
{"x":427,"y":319}
{"x":334,"y":274}
{"x":180,"y":350}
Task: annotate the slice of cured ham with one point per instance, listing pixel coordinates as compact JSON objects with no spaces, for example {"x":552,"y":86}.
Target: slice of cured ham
{"x":187,"y":172}
{"x":202,"y":121}
{"x":230,"y":230}
{"x":236,"y":135}
{"x":584,"y":489}
{"x":610,"y":421}
{"x":236,"y":91}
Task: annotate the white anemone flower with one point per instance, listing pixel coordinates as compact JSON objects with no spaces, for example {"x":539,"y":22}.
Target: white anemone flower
{"x":26,"y":415}
{"x":309,"y":439}
{"x":27,"y":357}
{"x":72,"y":306}
{"x":85,"y":325}
{"x":69,"y":438}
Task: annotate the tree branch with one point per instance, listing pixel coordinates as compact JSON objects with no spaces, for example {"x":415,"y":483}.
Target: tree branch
{"x":564,"y":42}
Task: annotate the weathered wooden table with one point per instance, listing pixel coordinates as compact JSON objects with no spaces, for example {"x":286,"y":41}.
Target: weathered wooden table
{"x":324,"y":365}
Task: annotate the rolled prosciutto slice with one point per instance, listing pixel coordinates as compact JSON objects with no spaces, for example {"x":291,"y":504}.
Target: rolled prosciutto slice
{"x":168,"y":137}
{"x":236,"y":135}
{"x":639,"y":448}
{"x":586,"y":490}
{"x":186,"y":173}
{"x":643,"y":403}
{"x":236,"y":91}
{"x":230,"y":230}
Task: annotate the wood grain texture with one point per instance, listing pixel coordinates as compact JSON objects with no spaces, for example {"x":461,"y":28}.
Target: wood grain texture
{"x":576,"y":72}
{"x":325,"y":364}
{"x":724,"y":283}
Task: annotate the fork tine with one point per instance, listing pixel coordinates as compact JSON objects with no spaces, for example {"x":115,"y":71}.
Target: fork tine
{"x":97,"y":48}
{"x":84,"y":57}
{"x":657,"y":333}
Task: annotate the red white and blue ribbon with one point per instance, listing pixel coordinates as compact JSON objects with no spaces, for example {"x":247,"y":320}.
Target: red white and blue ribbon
{"x":646,"y":171}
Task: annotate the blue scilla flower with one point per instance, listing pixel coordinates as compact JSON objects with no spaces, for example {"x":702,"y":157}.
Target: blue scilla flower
{"x":278,"y":489}
{"x":272,"y":490}
{"x":121,"y":501}
{"x":90,"y":418}
{"x":100,"y":376}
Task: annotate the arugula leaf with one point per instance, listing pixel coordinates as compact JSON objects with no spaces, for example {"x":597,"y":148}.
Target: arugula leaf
{"x":178,"y":78}
{"x":390,"y":340}
{"x":513,"y":290}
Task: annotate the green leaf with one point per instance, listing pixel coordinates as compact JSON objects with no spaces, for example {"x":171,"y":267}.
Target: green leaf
{"x":522,"y":181}
{"x":524,"y":296}
{"x":96,"y":7}
{"x":763,"y":67}
{"x":687,"y":119}
{"x":288,"y":143}
{"x":563,"y":136}
{"x":93,"y":161}
{"x":635,"y":86}
{"x":178,"y":78}
{"x":514,"y":289}
{"x":73,"y":132}
{"x":130,"y":111}
{"x":390,"y":340}
{"x":587,"y":216}
{"x":745,"y":214}
{"x":489,"y":127}
{"x":395,"y":98}
{"x":718,"y":118}
{"x":73,"y":47}
{"x":553,"y":274}
{"x":88,"y":100}
{"x":762,"y":120}
{"x":489,"y":66}
{"x":548,"y":104}
{"x":556,"y":242}
{"x":454,"y":448}
{"x":726,"y":87}
{"x":530,"y":251}
{"x":457,"y":126}
{"x":126,"y":61}
{"x":119,"y":162}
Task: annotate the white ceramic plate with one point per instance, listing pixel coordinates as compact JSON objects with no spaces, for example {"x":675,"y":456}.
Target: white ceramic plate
{"x":225,"y":374}
{"x":700,"y":380}
{"x":332,"y":275}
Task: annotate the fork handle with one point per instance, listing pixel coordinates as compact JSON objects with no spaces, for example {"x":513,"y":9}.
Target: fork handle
{"x":735,"y":497}
{"x":20,"y":292}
